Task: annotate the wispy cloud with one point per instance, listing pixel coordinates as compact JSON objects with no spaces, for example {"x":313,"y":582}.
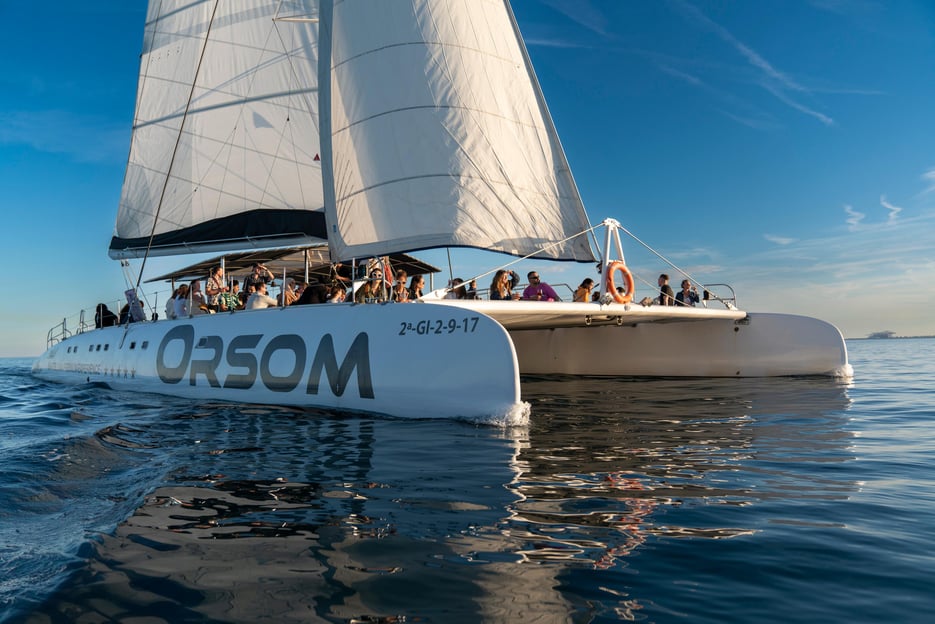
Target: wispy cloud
{"x":779,"y":240}
{"x":581,"y":12}
{"x":84,"y":138}
{"x":686,"y":77}
{"x":894,"y":210}
{"x":853,"y":217}
{"x":775,"y":81}
{"x":929,"y":178}
{"x":826,"y":276}
{"x":785,"y":99}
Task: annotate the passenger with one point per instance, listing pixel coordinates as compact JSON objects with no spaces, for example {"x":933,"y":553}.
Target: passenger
{"x":471,"y":290}
{"x":399,"y":292}
{"x":502,"y":285}
{"x":229,"y":300}
{"x":170,"y":304}
{"x":583,"y":292}
{"x":313,"y":293}
{"x":182,"y":305}
{"x":337,"y":294}
{"x":688,"y":296}
{"x":245,"y":295}
{"x":539,"y":290}
{"x":341,"y":274}
{"x":103,"y":317}
{"x":416,"y":284}
{"x":199,"y":305}
{"x":457,"y":290}
{"x":372,"y":291}
{"x":666,"y":296}
{"x":125,"y":316}
{"x":260,"y":274}
{"x":214,"y":287}
{"x":259,"y":299}
{"x":287,"y":296}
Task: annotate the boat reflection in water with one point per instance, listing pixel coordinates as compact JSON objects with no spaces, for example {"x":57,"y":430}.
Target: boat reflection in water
{"x":323,"y":518}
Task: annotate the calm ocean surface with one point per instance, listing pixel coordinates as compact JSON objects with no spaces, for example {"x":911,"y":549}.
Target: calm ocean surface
{"x":772,"y":500}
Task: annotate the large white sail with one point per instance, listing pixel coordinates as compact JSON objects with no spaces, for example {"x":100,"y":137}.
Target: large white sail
{"x":435,"y":133}
{"x":224,"y":153}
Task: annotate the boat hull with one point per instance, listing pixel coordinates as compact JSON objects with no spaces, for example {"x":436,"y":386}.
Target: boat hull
{"x":760,"y":345}
{"x":664,"y":341}
{"x":401,"y":360}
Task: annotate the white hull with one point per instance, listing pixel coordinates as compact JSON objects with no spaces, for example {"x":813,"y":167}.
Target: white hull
{"x":401,"y":360}
{"x":444,"y":359}
{"x":656,"y":341}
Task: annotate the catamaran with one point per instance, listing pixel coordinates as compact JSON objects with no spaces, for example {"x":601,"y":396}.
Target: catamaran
{"x":379,"y":128}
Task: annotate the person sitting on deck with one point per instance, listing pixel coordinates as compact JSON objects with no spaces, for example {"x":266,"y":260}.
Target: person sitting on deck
{"x":416,"y":284}
{"x":287,"y":296}
{"x":259,"y":299}
{"x":502,"y":285}
{"x":373,"y":290}
{"x":456,"y":289}
{"x":103,"y":317}
{"x":666,"y":296}
{"x":214,"y":288}
{"x":337,"y":294}
{"x":313,"y":293}
{"x":170,"y":304}
{"x":199,"y":304}
{"x":471,"y":292}
{"x":688,"y":296}
{"x":539,"y":290}
{"x":181,"y":302}
{"x":399,"y":292}
{"x":260,"y":274}
{"x":229,"y":300}
{"x":583,"y":292}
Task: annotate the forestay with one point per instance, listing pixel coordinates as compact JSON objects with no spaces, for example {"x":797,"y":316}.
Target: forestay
{"x":225,"y":149}
{"x":438,"y":134}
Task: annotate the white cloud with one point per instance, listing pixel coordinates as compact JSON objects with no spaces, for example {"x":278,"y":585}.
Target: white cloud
{"x":582,"y":12}
{"x":929,"y":178}
{"x":84,"y":138}
{"x":771,"y":79}
{"x":854,"y":217}
{"x":779,"y":240}
{"x":894,"y":210}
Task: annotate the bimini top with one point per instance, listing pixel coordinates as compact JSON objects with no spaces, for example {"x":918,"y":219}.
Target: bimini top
{"x":291,"y":259}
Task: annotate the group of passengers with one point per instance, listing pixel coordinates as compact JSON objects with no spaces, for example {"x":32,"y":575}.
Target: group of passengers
{"x":504,"y":282}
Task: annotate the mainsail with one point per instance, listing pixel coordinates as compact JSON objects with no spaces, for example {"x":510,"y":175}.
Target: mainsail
{"x":225,"y":150}
{"x":435,"y":133}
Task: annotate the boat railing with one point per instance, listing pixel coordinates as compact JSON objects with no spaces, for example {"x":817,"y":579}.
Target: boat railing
{"x":729,"y":301}
{"x":58,"y":333}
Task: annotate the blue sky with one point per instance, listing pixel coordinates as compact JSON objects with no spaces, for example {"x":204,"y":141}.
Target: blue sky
{"x":783,"y":147}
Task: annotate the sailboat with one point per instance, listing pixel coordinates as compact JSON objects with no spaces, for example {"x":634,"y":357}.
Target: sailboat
{"x":379,"y":128}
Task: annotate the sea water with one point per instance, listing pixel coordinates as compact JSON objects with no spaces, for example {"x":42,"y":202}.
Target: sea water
{"x":666,"y":500}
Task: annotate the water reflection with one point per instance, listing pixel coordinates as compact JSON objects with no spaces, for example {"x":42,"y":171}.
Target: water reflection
{"x":273,"y":514}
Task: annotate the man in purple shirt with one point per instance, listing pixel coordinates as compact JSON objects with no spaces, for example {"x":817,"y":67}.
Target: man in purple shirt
{"x":538,"y":290}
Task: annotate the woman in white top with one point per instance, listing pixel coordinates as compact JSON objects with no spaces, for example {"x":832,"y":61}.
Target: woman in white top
{"x":181,"y":302}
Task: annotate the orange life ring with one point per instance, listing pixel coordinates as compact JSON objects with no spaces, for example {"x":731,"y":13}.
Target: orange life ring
{"x":616,"y":265}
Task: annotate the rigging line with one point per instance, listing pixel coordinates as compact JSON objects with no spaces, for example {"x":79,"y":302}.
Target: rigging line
{"x":660,"y":256}
{"x":178,"y":140}
{"x":590,"y":230}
